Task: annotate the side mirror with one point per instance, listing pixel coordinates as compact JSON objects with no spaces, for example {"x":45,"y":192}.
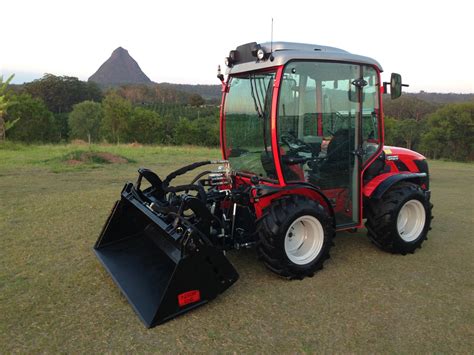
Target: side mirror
{"x":395,"y":86}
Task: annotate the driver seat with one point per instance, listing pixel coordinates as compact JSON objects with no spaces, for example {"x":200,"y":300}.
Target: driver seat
{"x":339,"y":159}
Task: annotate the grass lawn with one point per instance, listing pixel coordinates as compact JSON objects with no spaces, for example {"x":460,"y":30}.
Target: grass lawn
{"x":56,"y":297}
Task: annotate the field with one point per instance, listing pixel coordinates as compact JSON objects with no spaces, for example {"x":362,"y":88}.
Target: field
{"x":56,"y":297}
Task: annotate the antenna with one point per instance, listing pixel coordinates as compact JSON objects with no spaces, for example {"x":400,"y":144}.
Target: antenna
{"x":271,"y":43}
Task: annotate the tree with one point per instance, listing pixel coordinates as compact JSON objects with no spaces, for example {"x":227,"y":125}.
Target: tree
{"x":196,"y":100}
{"x":117,"y":111}
{"x":450,"y":132}
{"x":85,"y":120}
{"x":37,"y":123}
{"x":145,"y":126}
{"x":61,"y":125}
{"x":408,"y":107}
{"x":5,"y":102}
{"x":403,"y":132}
{"x":185,"y":132}
{"x":60,"y":93}
{"x":409,"y":132}
{"x":202,"y":131}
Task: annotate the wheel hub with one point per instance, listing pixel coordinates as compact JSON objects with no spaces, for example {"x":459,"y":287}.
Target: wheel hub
{"x":411,"y":220}
{"x":304,"y":240}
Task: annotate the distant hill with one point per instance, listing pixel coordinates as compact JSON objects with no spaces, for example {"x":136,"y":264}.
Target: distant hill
{"x":440,"y":98}
{"x":208,"y":92}
{"x":119,"y":69}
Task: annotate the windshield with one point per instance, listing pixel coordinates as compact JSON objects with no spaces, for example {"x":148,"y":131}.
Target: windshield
{"x":247,"y":124}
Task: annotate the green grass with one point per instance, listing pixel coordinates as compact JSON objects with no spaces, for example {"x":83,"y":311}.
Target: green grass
{"x":56,"y":297}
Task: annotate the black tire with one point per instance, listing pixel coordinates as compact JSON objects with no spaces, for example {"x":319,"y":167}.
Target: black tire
{"x":274,"y":226}
{"x":382,"y":216}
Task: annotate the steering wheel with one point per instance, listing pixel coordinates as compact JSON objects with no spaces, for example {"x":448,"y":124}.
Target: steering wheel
{"x":295,"y":144}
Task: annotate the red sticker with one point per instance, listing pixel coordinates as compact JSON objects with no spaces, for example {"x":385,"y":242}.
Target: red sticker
{"x":188,"y":297}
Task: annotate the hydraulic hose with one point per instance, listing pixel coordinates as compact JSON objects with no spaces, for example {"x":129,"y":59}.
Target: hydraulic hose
{"x":184,"y":170}
{"x":200,"y":175}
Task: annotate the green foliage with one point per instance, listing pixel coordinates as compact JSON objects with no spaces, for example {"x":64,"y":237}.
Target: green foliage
{"x":145,"y":126}
{"x":162,"y":115}
{"x":408,"y":107}
{"x":60,"y":93}
{"x":61,"y":125}
{"x":5,"y":102}
{"x":85,"y":121}
{"x":37,"y":122}
{"x":180,"y":110}
{"x":196,"y":100}
{"x":11,"y":124}
{"x":405,"y":133}
{"x":202,"y":131}
{"x":117,"y":112}
{"x":450,"y":133}
{"x":405,"y":120}
{"x":150,"y":94}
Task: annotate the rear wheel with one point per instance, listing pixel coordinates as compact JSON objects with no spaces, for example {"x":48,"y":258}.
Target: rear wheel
{"x":399,"y":222}
{"x":295,"y":235}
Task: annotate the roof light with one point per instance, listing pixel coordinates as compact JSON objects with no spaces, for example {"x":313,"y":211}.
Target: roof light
{"x":260,"y":54}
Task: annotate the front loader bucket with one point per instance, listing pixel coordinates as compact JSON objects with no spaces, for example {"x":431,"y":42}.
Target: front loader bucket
{"x":141,"y":253}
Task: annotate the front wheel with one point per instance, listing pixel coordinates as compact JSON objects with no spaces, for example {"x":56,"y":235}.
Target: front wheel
{"x":295,"y":235}
{"x":399,"y":222}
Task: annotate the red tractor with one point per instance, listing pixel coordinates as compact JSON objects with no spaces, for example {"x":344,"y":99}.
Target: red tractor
{"x":301,"y":134}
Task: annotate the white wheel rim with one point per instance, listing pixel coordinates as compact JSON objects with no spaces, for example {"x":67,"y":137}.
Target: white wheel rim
{"x":304,"y":240}
{"x":411,"y":220}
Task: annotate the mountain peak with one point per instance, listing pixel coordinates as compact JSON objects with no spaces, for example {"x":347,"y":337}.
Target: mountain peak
{"x":119,"y":69}
{"x":120,"y":50}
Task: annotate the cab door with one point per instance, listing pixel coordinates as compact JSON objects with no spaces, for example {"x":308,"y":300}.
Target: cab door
{"x":321,"y":117}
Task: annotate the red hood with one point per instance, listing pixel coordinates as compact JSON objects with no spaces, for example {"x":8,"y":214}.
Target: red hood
{"x":389,"y":150}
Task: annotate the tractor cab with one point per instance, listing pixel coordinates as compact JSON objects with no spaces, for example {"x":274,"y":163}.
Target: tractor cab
{"x":304,"y":114}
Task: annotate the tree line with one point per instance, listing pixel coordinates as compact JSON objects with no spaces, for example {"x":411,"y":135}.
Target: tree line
{"x":60,"y":108}
{"x":57,"y":109}
{"x":439,"y":131}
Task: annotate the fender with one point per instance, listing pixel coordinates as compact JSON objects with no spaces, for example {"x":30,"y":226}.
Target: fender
{"x":381,"y":183}
{"x":263,"y":195}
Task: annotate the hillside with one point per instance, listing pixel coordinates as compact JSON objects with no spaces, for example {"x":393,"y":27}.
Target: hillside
{"x":442,"y":98}
{"x":208,"y":92}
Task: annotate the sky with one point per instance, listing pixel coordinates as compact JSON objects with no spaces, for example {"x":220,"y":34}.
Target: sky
{"x":428,"y":42}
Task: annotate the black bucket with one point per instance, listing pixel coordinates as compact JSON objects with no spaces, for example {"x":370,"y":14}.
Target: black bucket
{"x":141,"y":253}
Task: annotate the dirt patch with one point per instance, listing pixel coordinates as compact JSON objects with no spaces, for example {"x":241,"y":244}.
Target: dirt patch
{"x":79,"y":157}
{"x":78,"y":142}
{"x":73,"y":162}
{"x":111,"y":158}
